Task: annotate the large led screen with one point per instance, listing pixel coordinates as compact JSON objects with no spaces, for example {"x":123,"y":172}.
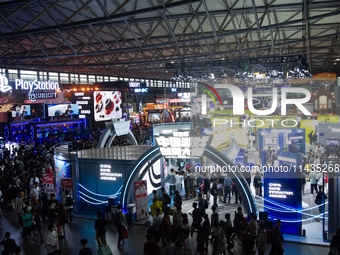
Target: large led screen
{"x":63,"y":110}
{"x":107,"y":105}
{"x":24,"y":110}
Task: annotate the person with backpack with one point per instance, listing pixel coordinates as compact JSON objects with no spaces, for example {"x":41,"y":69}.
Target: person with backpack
{"x":120,"y":223}
{"x":165,"y":199}
{"x":68,"y":204}
{"x":85,"y":250}
{"x":262,"y":241}
{"x":202,"y":204}
{"x":320,"y":200}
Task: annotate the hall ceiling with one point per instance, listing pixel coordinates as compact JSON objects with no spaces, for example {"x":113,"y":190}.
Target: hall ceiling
{"x":136,"y":38}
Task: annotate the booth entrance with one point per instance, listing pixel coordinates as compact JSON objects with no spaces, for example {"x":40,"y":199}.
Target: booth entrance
{"x":138,"y":170}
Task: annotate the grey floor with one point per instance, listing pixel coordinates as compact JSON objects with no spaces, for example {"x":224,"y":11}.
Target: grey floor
{"x":84,"y":228}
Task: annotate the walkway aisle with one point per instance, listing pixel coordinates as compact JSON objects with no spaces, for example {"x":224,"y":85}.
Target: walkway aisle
{"x":84,"y":228}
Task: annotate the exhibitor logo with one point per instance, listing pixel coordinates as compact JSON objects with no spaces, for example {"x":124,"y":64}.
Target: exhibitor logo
{"x":4,"y":84}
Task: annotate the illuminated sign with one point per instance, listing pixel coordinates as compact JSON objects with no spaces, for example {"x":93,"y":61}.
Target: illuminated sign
{"x":141,"y":90}
{"x":182,"y":145}
{"x":134,"y":84}
{"x":173,"y":89}
{"x":32,"y":87}
{"x":85,"y":103}
{"x":4,"y":84}
{"x":275,"y":190}
{"x":35,"y":85}
{"x":35,"y":96}
{"x":105,"y":173}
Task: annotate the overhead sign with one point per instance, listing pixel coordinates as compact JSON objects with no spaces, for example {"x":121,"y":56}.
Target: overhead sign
{"x":142,"y":90}
{"x":32,"y":87}
{"x":182,"y":145}
{"x":134,"y":84}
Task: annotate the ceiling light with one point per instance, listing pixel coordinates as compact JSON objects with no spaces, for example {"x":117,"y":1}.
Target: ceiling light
{"x":337,"y":59}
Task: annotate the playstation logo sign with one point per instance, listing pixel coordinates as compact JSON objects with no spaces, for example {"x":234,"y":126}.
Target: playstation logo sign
{"x":4,"y":84}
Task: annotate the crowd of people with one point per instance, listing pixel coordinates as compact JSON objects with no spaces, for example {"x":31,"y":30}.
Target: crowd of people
{"x":171,"y":233}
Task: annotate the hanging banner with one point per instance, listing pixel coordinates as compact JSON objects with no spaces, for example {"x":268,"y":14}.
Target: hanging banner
{"x":66,"y":183}
{"x":48,"y":181}
{"x":141,"y":199}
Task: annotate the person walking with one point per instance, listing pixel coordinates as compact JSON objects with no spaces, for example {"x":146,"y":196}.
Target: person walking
{"x":277,"y":247}
{"x":9,"y":244}
{"x":27,"y":218}
{"x":122,"y":224}
{"x":36,"y":212}
{"x":85,"y":250}
{"x":171,"y":179}
{"x":313,"y":182}
{"x":320,"y":199}
{"x":310,"y":136}
{"x":68,"y":204}
{"x":53,"y":207}
{"x":214,"y":192}
{"x":166,"y":200}
{"x":62,"y":218}
{"x":52,"y":244}
{"x":262,"y":241}
{"x":227,"y":187}
{"x":100,"y":226}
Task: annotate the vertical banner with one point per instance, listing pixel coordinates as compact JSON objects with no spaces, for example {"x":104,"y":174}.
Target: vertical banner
{"x":141,"y":199}
{"x":62,"y":170}
{"x":66,"y":183}
{"x":48,"y":181}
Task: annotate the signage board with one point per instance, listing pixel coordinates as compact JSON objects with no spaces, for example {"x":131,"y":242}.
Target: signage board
{"x":141,"y":199}
{"x":35,"y":89}
{"x":107,"y":105}
{"x":84,"y":100}
{"x":141,"y":90}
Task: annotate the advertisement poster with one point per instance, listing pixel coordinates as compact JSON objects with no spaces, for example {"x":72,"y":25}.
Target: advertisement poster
{"x":62,"y":170}
{"x":66,"y":183}
{"x":141,"y":199}
{"x":107,"y":105}
{"x":48,"y":184}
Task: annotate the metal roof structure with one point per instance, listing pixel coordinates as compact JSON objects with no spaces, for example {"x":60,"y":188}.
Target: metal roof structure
{"x":135,"y":38}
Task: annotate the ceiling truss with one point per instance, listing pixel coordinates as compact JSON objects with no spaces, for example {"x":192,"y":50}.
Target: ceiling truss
{"x":141,"y":37}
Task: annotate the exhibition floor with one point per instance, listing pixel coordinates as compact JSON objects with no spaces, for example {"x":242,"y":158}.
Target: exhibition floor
{"x":84,"y":228}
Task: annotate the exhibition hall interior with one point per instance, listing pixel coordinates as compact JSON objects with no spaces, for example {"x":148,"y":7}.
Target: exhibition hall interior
{"x":169,"y":127}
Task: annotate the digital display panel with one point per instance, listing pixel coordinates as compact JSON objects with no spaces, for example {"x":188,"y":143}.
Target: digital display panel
{"x":24,"y":110}
{"x":270,"y":141}
{"x":107,"y":105}
{"x":63,"y":110}
{"x":332,"y":142}
{"x":85,"y":102}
